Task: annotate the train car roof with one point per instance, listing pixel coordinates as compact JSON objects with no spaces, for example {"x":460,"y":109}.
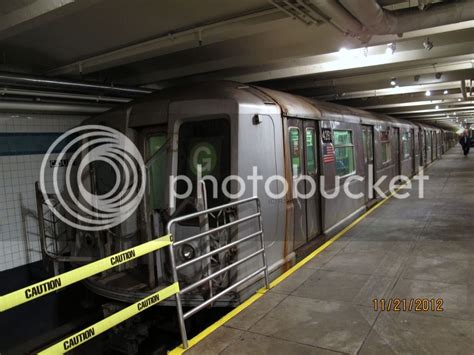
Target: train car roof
{"x":153,"y":109}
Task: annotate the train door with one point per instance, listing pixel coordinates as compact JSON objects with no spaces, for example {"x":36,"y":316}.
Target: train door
{"x":311,"y":163}
{"x":303,"y":161}
{"x":421,"y":146}
{"x":396,"y":138}
{"x":431,"y":145}
{"x":368,"y":142}
{"x":154,"y":143}
{"x":413,"y":149}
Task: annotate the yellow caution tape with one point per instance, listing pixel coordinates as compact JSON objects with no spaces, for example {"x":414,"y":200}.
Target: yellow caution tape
{"x":42,"y":288}
{"x":84,"y":335}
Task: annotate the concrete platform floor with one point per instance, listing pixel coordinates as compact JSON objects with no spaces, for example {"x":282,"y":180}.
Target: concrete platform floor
{"x":405,"y":249}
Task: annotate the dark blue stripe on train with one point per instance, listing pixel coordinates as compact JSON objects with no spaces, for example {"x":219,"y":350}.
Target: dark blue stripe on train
{"x":30,"y":143}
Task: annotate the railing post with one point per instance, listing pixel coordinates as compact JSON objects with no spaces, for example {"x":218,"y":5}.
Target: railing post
{"x":262,"y":243}
{"x":179,"y":306}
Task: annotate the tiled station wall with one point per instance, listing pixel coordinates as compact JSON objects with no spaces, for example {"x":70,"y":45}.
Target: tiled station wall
{"x":24,"y":139}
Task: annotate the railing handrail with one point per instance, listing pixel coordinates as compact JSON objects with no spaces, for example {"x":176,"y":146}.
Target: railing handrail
{"x":218,"y":250}
{"x":217,"y":229}
{"x":210,"y":210}
{"x":175,"y":268}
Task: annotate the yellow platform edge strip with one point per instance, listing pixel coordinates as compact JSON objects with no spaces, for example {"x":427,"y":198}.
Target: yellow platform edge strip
{"x":56,"y":283}
{"x":105,"y":324}
{"x":206,"y":332}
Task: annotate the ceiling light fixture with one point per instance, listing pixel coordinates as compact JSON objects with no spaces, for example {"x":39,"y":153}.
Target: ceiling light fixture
{"x":393,"y":81}
{"x":391,"y":48}
{"x":445,"y":92}
{"x":427,"y":44}
{"x":343,"y":50}
{"x":428,"y":93}
{"x":437,"y":107}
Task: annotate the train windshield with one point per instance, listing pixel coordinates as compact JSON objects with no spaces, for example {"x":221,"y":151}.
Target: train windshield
{"x":205,"y":144}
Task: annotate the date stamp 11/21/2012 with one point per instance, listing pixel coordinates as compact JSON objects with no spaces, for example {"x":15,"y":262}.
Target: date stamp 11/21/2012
{"x":408,"y":304}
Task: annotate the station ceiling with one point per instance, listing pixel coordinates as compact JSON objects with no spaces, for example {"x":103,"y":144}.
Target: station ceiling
{"x":300,"y":46}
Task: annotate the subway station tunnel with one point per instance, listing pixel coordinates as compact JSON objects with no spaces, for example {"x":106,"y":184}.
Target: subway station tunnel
{"x":236,"y":177}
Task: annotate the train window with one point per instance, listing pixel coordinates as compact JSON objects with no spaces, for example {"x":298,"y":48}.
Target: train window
{"x":157,"y":170}
{"x":205,"y":144}
{"x":428,"y":139}
{"x":295,"y":151}
{"x":386,"y":148}
{"x":406,"y":145}
{"x":344,"y":149}
{"x":311,"y":167}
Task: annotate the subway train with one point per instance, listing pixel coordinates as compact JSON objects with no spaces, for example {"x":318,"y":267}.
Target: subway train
{"x":231,"y":129}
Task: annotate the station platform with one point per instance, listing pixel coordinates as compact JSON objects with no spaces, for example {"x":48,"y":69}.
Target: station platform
{"x":407,"y":250}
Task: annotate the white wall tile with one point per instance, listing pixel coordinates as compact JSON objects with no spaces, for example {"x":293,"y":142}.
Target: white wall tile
{"x":19,"y":241}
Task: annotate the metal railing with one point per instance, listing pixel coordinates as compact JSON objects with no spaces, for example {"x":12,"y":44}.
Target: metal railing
{"x":60,"y":281}
{"x":175,"y":268}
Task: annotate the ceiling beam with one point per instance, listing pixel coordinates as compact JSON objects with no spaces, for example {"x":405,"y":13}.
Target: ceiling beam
{"x":392,"y":91}
{"x":383,"y":81}
{"x":426,"y":73}
{"x":415,"y":110}
{"x":38,"y":13}
{"x":409,"y":51}
{"x":200,"y":35}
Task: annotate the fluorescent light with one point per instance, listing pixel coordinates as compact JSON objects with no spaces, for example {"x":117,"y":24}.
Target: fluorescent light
{"x":343,"y":50}
{"x":428,"y":44}
{"x":391,"y":48}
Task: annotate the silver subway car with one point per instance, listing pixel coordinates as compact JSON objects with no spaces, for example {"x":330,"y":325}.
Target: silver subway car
{"x":261,"y":136}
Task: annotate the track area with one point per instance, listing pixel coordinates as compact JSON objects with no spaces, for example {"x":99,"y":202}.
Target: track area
{"x":400,"y":281}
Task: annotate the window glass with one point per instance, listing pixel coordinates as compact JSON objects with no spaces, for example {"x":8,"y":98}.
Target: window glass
{"x":157,"y":171}
{"x":311,"y":167}
{"x":386,"y":147}
{"x":364,"y":144}
{"x":206,"y":144}
{"x":344,"y":150}
{"x":406,"y":145}
{"x":295,"y":151}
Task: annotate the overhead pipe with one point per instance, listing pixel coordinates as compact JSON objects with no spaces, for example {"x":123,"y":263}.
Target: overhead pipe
{"x":337,"y":16}
{"x":30,"y":80}
{"x":377,"y":21}
{"x":17,"y":106}
{"x":61,"y":95}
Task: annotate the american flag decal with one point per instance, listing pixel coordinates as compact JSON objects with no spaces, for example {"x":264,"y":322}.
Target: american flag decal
{"x":328,"y":153}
